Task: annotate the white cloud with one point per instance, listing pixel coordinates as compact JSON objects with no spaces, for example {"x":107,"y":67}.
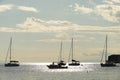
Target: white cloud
{"x":109,"y":12}
{"x":82,"y":9}
{"x":60,"y":29}
{"x":32,"y":24}
{"x":37,"y":25}
{"x":7,"y":29}
{"x":5,"y":7}
{"x":108,"y":2}
{"x":112,"y":1}
{"x":55,"y":40}
{"x":116,"y":1}
{"x":26,"y":8}
{"x":49,"y":40}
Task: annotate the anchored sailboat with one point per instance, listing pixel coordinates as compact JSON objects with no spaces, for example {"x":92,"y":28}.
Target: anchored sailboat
{"x":73,"y":61}
{"x":60,"y":64}
{"x":107,"y":63}
{"x":11,"y":63}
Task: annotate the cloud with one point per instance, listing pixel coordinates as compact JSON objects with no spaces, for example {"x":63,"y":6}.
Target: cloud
{"x":56,"y":40}
{"x":82,"y":9}
{"x":7,"y":29}
{"x":108,"y":2}
{"x":49,"y":40}
{"x":26,"y":8}
{"x":116,"y":1}
{"x":60,"y":27}
{"x":37,"y":25}
{"x":109,"y":12}
{"x":5,"y":7}
{"x":112,"y":1}
{"x":32,"y":24}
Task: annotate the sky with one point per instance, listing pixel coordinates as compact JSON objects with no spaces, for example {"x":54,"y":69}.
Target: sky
{"x":37,"y":28}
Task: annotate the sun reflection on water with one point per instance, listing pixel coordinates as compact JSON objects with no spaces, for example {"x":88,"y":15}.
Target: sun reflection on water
{"x":83,"y":67}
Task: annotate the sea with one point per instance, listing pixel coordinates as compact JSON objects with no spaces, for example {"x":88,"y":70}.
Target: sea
{"x":39,"y":71}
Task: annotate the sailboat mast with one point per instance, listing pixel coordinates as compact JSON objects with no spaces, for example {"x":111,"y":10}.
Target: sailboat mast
{"x":60,"y":57}
{"x":72,"y":48}
{"x":10,"y":47}
{"x":106,"y":49}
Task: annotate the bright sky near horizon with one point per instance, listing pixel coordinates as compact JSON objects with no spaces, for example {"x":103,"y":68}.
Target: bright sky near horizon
{"x":38,"y":27}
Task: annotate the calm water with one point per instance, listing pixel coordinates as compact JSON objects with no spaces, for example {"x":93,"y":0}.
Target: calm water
{"x":87,"y":71}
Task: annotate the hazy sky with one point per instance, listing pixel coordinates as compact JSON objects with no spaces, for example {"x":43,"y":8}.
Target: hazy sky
{"x":38,"y":27}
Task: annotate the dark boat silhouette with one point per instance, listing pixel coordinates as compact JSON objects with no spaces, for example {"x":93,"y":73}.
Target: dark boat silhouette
{"x":11,"y":63}
{"x":107,"y":63}
{"x":73,"y":61}
{"x":57,"y":65}
{"x":60,"y":64}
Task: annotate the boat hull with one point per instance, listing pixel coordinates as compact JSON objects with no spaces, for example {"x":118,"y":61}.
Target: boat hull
{"x":11,"y":65}
{"x":56,"y":67}
{"x":74,"y":64}
{"x":108,"y":65}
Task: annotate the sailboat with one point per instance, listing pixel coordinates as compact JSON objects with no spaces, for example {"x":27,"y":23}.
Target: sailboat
{"x":60,"y":64}
{"x":107,"y":63}
{"x":11,"y":63}
{"x":73,"y":61}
